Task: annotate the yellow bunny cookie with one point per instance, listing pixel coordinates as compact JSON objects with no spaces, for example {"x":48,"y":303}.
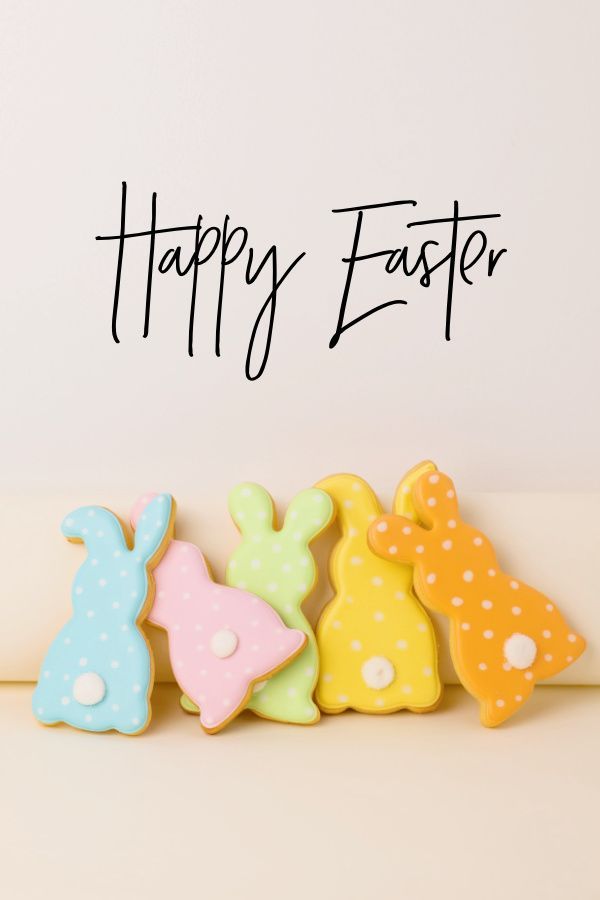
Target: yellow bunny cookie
{"x":376,"y":643}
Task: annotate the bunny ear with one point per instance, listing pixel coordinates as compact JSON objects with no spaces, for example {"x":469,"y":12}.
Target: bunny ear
{"x":308,"y":514}
{"x":154,"y":526}
{"x":355,"y":503}
{"x":251,"y":509}
{"x":397,"y":539}
{"x":403,"y":500}
{"x":138,"y":508}
{"x":97,"y":527}
{"x":435,"y":499}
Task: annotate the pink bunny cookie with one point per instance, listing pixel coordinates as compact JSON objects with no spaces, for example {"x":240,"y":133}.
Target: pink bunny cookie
{"x":222,"y":640}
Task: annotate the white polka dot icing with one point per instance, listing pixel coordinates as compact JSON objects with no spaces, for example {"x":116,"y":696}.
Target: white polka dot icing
{"x":100,"y":652}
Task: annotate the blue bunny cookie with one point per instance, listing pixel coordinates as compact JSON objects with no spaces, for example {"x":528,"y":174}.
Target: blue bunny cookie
{"x":98,"y":672}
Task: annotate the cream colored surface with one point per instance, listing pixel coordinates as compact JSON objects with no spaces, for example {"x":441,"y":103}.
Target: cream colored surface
{"x":548,"y":540}
{"x":421,"y":807}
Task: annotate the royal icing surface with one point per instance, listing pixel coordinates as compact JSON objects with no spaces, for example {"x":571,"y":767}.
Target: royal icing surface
{"x":222,"y":640}
{"x":279,"y":567}
{"x":377,"y":644}
{"x":97,"y":674}
{"x":505,"y":636}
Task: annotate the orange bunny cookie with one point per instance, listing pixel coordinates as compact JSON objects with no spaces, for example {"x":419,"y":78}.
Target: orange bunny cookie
{"x":504,"y":635}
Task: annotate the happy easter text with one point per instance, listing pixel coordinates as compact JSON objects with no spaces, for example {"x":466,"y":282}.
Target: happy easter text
{"x":227,"y":245}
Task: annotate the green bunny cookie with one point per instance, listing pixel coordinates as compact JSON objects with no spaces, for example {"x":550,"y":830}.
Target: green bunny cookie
{"x":279,"y":567}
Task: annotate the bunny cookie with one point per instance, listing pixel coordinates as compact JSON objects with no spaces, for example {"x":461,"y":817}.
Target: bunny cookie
{"x":505,"y":636}
{"x":222,"y":641}
{"x":279,"y":567}
{"x":98,"y":672}
{"x":377,"y":645}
